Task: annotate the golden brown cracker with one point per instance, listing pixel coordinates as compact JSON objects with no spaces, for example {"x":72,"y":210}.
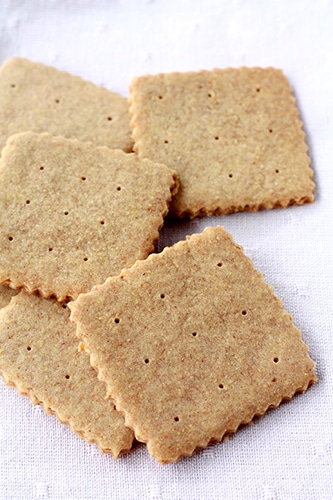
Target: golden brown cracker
{"x":39,"y":356}
{"x":72,"y":214}
{"x":43,"y":99}
{"x":192,"y":343}
{"x":233,"y":135}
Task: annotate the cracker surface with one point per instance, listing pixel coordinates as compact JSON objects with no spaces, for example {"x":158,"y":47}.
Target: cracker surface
{"x":71,"y":214}
{"x":39,"y":356}
{"x":191,"y":344}
{"x":41,"y":98}
{"x":233,"y":135}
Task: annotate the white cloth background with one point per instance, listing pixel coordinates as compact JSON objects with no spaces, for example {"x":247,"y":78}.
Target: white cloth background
{"x":289,"y":453}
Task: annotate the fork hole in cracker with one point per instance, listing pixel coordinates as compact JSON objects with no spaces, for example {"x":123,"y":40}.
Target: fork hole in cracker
{"x":162,"y":295}
{"x":276,"y":359}
{"x":270,"y":131}
{"x":216,"y":138}
{"x":29,"y":348}
{"x":146,"y":361}
{"x":219,"y":264}
{"x":258,"y":89}
{"x":50,"y":249}
{"x":221,"y":386}
{"x":194,"y":334}
{"x":67,"y":377}
{"x":176,"y":419}
{"x":230,"y":176}
{"x":102,"y":222}
{"x":117,"y":321}
{"x":160,"y":97}
{"x":109,"y":118}
{"x":277,"y":171}
{"x":66,"y":213}
{"x":274,"y":379}
{"x":85,"y":259}
{"x":27,"y":202}
{"x":83,"y":178}
{"x":56,"y":101}
{"x":118,"y":188}
{"x":244,"y":312}
{"x":41,"y":168}
{"x":166,"y":141}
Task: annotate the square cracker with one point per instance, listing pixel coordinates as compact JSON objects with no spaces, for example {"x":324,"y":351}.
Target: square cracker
{"x":43,"y":99}
{"x":234,"y":137}
{"x":39,"y":356}
{"x":192,"y":343}
{"x":72,"y":214}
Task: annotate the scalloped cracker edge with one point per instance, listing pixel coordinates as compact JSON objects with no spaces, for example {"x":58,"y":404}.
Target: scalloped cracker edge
{"x":6,"y":295}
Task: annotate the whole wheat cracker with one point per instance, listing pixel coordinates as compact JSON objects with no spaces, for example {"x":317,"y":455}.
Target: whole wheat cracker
{"x":41,"y":98}
{"x":39,"y":357}
{"x":233,"y":135}
{"x":191,"y":344}
{"x":72,"y":214}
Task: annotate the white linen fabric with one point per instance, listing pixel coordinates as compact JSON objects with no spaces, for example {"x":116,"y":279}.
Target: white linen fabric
{"x":288,"y":454}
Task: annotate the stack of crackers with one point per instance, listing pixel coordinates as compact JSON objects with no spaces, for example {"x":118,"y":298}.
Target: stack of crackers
{"x":176,"y":349}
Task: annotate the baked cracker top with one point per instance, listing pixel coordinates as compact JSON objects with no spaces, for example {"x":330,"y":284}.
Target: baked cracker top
{"x":72,"y":214}
{"x":43,"y":99}
{"x":39,"y":356}
{"x":234,"y":136}
{"x":192,"y":343}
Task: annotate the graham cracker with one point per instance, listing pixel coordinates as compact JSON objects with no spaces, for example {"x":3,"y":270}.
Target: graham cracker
{"x":72,"y":214}
{"x":6,"y":294}
{"x":233,"y":135}
{"x":41,"y":98}
{"x":39,"y":357}
{"x":192,"y":343}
